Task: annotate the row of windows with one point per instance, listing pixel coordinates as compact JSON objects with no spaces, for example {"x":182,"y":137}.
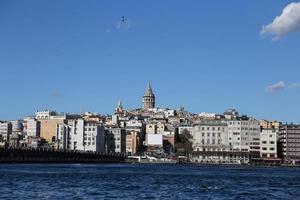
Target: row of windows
{"x":211,"y":128}
{"x":293,"y":140}
{"x":212,"y":134}
{"x":265,"y":148}
{"x":243,"y":123}
{"x":238,"y":128}
{"x":270,"y":142}
{"x":213,"y":141}
{"x":89,"y":129}
{"x":293,"y":149}
{"x":294,"y":145}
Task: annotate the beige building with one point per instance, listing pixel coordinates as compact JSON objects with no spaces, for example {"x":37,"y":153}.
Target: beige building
{"x":48,"y":127}
{"x":160,"y":128}
{"x":265,"y":124}
{"x":151,"y":128}
{"x":155,"y":128}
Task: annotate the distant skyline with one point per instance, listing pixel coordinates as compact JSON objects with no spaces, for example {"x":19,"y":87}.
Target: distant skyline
{"x":77,"y":56}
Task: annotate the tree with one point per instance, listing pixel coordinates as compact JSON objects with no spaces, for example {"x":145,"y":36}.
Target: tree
{"x":184,"y":144}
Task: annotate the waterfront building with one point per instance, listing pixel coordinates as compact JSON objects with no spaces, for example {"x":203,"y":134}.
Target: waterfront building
{"x":148,"y":98}
{"x":17,"y":126}
{"x":80,"y":135}
{"x":244,"y":135}
{"x":132,"y":142}
{"x":94,"y":136}
{"x":63,"y":136}
{"x":138,"y":127}
{"x":31,"y":127}
{"x":48,"y":126}
{"x":289,"y":139}
{"x":211,"y":144}
{"x":268,"y":143}
{"x":210,"y":136}
{"x":5,"y":132}
{"x":115,"y":140}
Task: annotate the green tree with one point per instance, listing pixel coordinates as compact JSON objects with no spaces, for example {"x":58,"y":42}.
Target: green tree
{"x":184,"y":144}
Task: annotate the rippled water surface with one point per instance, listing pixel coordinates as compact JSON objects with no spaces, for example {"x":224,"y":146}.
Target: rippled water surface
{"x":132,"y":181}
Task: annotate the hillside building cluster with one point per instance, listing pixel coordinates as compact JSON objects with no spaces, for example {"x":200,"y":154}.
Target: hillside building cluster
{"x":214,"y":138}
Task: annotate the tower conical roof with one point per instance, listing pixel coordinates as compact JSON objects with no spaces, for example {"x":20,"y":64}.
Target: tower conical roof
{"x":119,"y":105}
{"x":149,"y":91}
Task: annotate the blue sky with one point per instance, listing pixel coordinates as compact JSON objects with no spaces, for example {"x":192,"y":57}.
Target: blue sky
{"x":207,"y":56}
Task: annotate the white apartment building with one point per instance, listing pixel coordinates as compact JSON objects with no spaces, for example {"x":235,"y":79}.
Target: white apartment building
{"x":5,"y":130}
{"x":17,"y":126}
{"x":32,"y":127}
{"x":81,"y":135}
{"x":211,"y":144}
{"x":210,"y":136}
{"x":268,"y":143}
{"x":244,"y":134}
{"x":63,"y":136}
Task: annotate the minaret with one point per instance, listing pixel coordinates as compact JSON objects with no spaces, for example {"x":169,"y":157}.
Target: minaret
{"x":148,"y":98}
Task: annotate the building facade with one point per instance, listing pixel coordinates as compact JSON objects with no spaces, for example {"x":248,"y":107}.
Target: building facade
{"x":5,"y":132}
{"x":268,"y":143}
{"x":32,"y":127}
{"x":115,"y":140}
{"x":81,"y":135}
{"x":210,"y":136}
{"x":289,"y":138}
{"x":244,"y":135}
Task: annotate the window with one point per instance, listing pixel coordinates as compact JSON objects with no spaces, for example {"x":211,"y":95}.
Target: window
{"x":213,"y":141}
{"x":219,"y":134}
{"x":213,"y":134}
{"x":207,"y":134}
{"x":203,"y":135}
{"x":207,"y":128}
{"x":207,"y":142}
{"x":202,"y":142}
